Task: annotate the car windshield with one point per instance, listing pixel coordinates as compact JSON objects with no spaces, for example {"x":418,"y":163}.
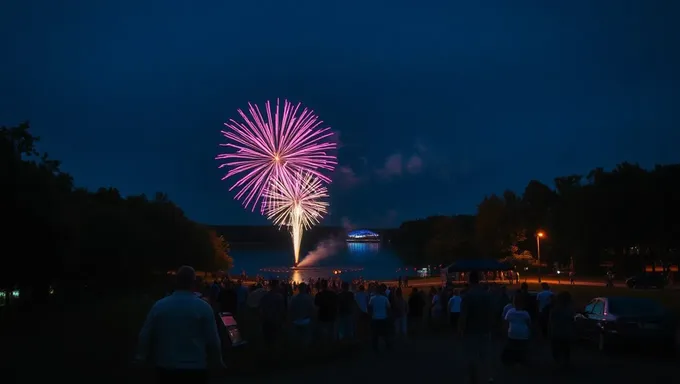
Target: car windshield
{"x":634,"y":306}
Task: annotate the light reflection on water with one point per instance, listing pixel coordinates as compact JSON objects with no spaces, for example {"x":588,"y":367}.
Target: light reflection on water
{"x":360,"y":249}
{"x":377,"y":260}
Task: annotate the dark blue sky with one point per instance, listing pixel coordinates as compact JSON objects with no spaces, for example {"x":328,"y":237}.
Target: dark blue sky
{"x":437,"y":105}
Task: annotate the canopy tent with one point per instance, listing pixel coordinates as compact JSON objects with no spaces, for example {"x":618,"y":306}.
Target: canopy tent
{"x":478,"y":265}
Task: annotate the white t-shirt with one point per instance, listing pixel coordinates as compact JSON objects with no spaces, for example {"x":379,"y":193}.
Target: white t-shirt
{"x":507,"y":308}
{"x":543,"y":298}
{"x":454,"y":304}
{"x":518,"y":324}
{"x":380,"y":306}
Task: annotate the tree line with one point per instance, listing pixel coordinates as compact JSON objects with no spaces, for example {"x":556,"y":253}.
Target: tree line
{"x":58,"y":235}
{"x":627,"y":217}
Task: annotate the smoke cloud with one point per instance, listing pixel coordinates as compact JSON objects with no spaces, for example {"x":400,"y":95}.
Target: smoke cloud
{"x":323,"y":250}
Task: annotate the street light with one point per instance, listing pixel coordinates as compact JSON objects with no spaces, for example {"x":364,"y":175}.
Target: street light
{"x":539,"y":235}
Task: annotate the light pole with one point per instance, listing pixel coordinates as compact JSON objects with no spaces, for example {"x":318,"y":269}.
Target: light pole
{"x":539,"y":234}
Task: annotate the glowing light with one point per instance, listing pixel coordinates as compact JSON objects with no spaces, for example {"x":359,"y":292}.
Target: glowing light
{"x":296,"y":201}
{"x":540,"y":234}
{"x":286,"y":142}
{"x":362,"y":234}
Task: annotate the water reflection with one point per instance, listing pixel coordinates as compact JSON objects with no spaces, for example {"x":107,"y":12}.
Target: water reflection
{"x":297,"y":277}
{"x":363,"y":248}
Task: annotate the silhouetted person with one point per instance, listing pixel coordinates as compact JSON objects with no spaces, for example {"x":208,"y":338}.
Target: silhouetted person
{"x":272,"y":312}
{"x":561,"y":327}
{"x":327,"y":302}
{"x":180,"y":335}
{"x":346,"y":307}
{"x":475,"y":325}
{"x":416,"y":305}
{"x":379,"y":308}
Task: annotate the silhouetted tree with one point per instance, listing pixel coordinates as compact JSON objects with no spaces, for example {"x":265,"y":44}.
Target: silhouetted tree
{"x":71,"y":238}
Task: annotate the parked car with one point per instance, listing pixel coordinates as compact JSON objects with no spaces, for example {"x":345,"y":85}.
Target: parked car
{"x":627,"y":322}
{"x":649,"y":280}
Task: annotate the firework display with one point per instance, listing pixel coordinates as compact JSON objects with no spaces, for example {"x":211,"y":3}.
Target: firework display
{"x":298,"y":202}
{"x":279,"y":163}
{"x":283,"y":141}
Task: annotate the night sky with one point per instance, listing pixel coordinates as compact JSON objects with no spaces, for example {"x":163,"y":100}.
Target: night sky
{"x":437,"y":103}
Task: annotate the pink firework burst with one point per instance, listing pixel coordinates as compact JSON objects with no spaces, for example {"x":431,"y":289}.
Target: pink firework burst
{"x":288,"y":142}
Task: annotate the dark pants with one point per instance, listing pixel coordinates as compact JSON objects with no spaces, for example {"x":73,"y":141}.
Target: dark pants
{"x":561,"y":350}
{"x":543,"y":320}
{"x":381,"y":329}
{"x":270,"y":331}
{"x":515,"y":351}
{"x":181,"y":376}
{"x":453,"y":319}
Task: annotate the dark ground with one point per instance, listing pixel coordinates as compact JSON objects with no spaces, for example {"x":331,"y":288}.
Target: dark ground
{"x":435,"y":358}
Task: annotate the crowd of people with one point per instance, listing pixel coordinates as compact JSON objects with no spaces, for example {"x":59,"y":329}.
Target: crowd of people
{"x":327,"y":311}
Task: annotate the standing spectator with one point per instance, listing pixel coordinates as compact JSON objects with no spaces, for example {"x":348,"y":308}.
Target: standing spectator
{"x":454,"y":308}
{"x":379,"y":308}
{"x":562,"y":328}
{"x":400,"y":313}
{"x":180,"y":335}
{"x":327,"y":303}
{"x":519,"y":330}
{"x":272,"y":313}
{"x":416,"y":306}
{"x":301,"y":314}
{"x":363,"y":320}
{"x":475,"y":325}
{"x":544,"y":299}
{"x":346,"y":305}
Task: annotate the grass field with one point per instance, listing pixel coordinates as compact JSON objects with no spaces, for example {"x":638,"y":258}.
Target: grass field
{"x":99,"y":338}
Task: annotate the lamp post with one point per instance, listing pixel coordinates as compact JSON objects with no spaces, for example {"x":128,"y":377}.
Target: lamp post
{"x":539,"y":235}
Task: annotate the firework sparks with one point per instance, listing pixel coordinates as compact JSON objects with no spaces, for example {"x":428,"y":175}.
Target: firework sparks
{"x":296,"y":201}
{"x":284,"y":143}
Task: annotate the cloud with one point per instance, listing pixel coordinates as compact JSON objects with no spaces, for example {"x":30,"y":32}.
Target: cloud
{"x":348,"y":177}
{"x":337,"y":138}
{"x":347,"y":224}
{"x":414,"y":164}
{"x":396,"y":165}
{"x":393,"y":166}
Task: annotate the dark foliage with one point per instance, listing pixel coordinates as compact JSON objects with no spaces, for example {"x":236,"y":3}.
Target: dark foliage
{"x":66,"y":237}
{"x":628,"y":216}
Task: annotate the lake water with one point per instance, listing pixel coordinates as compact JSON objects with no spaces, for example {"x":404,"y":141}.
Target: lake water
{"x":376,"y":260}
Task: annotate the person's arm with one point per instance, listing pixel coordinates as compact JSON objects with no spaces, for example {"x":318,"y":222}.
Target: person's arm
{"x":146,"y":336}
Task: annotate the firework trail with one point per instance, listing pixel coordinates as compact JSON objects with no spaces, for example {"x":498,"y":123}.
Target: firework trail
{"x":284,"y":143}
{"x":296,"y":201}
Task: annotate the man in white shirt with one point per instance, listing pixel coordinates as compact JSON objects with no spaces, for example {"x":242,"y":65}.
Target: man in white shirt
{"x":379,"y":309}
{"x":180,"y":335}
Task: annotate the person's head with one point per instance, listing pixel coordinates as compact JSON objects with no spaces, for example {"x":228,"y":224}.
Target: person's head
{"x":345,"y":286}
{"x":382,"y":288}
{"x":324,"y":284}
{"x":274,"y":285}
{"x":185,"y":278}
{"x":398,"y":293}
{"x":518,"y":301}
{"x":524,"y":287}
{"x":302,"y":288}
{"x":414,"y":291}
{"x":362,"y":288}
{"x":473,"y":277}
{"x":545,"y":286}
